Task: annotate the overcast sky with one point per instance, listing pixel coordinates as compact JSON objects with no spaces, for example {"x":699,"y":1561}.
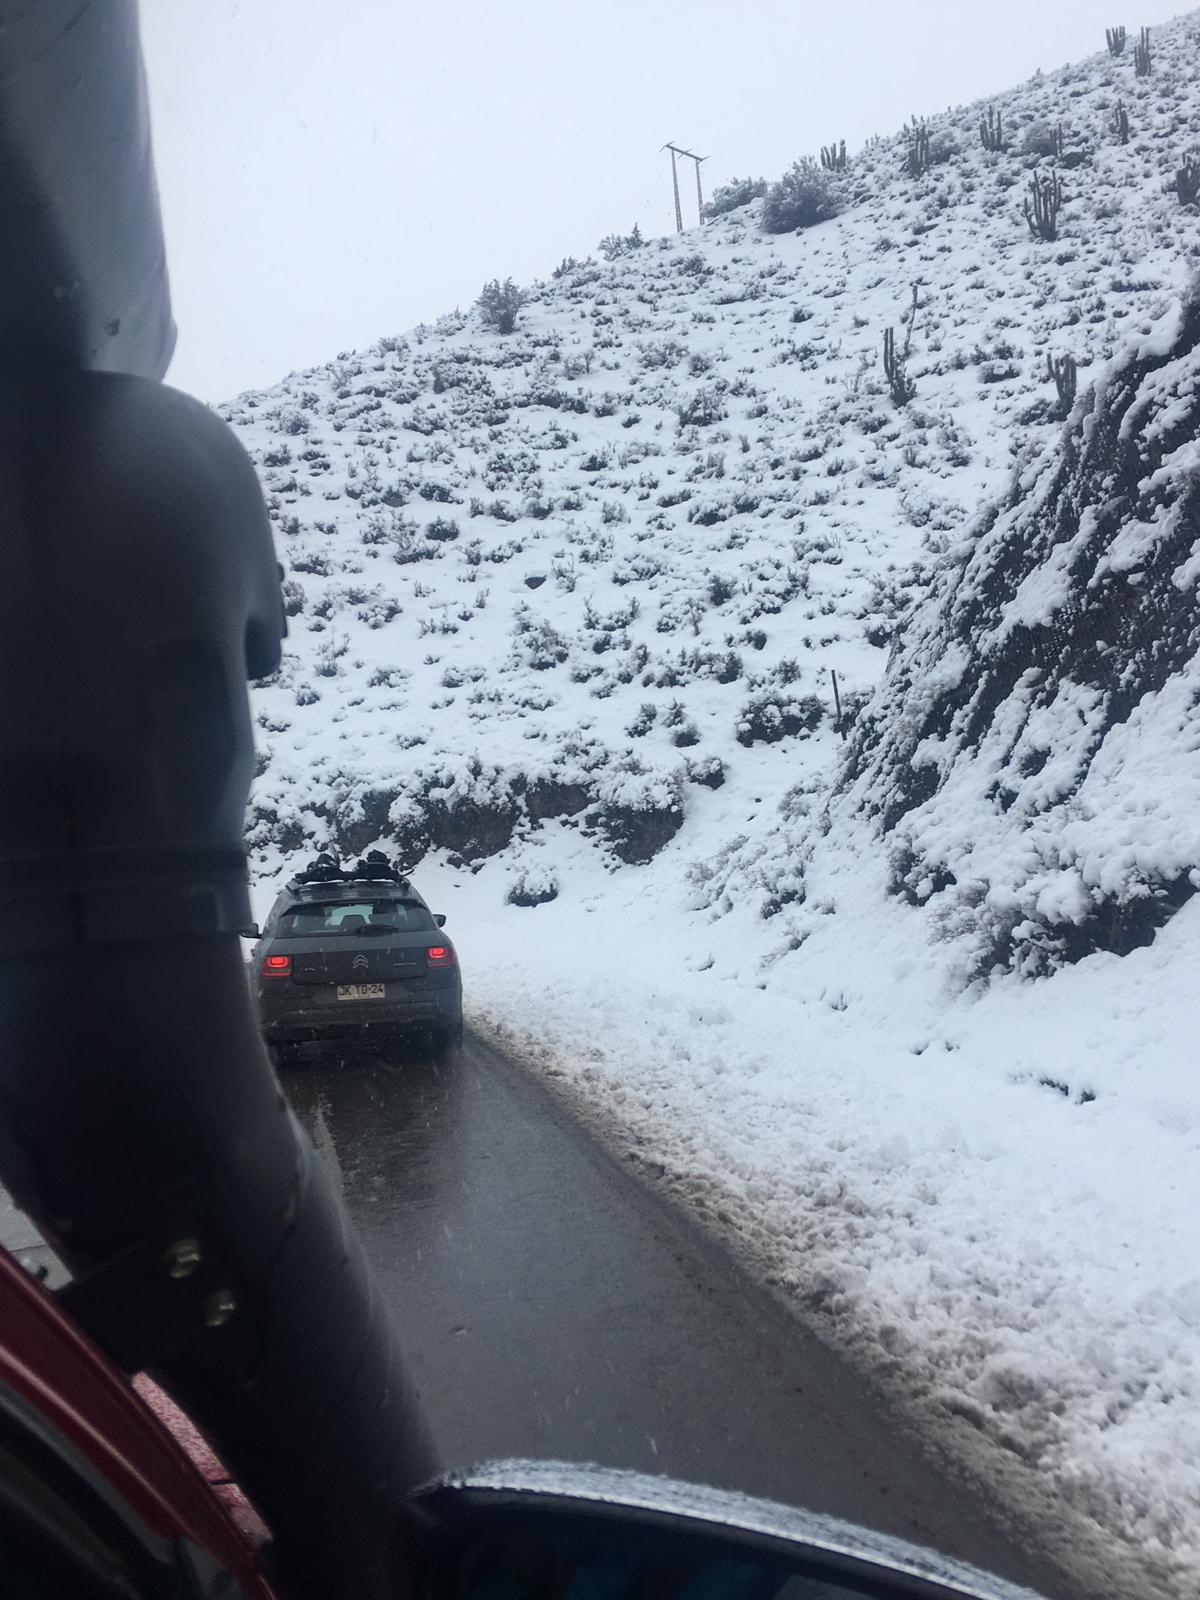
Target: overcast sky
{"x":335,"y":170}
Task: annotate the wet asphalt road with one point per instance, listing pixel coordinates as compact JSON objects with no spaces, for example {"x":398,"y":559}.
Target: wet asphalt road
{"x":553,"y":1307}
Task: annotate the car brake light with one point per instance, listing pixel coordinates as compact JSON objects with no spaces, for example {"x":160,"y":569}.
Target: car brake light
{"x":440,"y":955}
{"x":277,"y":967}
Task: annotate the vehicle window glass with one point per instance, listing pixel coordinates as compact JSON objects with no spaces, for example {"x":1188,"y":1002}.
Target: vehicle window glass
{"x":355,"y":916}
{"x":49,"y":1555}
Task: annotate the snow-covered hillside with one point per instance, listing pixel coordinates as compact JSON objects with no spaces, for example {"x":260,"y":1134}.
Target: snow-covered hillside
{"x":891,"y":978}
{"x":573,"y":571}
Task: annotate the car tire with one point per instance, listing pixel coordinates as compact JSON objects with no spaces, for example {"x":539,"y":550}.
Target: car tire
{"x":447,"y":1041}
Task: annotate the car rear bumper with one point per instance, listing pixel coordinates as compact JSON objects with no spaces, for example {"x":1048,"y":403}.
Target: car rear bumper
{"x":286,"y":1020}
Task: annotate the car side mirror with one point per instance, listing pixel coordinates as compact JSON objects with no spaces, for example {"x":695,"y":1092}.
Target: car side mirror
{"x":252,"y":932}
{"x":441,"y":921}
{"x":518,"y":1528}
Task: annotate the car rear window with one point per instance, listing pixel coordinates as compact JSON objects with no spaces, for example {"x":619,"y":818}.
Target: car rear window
{"x":335,"y":917}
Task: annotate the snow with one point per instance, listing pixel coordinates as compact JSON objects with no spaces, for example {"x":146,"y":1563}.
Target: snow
{"x":989,"y":1200}
{"x":552,"y":588}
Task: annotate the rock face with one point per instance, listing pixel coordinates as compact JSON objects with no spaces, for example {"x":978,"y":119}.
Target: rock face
{"x":1033,"y":757}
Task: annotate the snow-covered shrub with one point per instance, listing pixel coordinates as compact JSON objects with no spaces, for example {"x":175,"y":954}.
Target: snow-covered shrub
{"x":707,"y":511}
{"x":534,"y":884}
{"x":378,"y":612}
{"x":614,"y":245}
{"x":638,"y":812}
{"x":708,"y":771}
{"x":643,"y":722}
{"x":499,"y":303}
{"x":802,"y":197}
{"x":279,"y":823}
{"x":783,"y":885}
{"x":701,"y":409}
{"x":329,"y":654}
{"x":684,"y":732}
{"x":730,"y":196}
{"x":661,"y":353}
{"x":313,"y":563}
{"x":540,"y":644}
{"x":769,"y":716}
{"x":407,"y":829}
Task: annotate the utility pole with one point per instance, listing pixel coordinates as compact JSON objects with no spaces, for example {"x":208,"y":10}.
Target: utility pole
{"x":675,"y":187}
{"x":676,"y":151}
{"x":674,"y":181}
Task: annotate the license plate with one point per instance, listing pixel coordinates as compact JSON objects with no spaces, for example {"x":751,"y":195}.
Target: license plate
{"x":360,"y":991}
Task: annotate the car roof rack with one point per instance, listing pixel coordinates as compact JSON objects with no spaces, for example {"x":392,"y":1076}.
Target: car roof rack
{"x":374,"y":867}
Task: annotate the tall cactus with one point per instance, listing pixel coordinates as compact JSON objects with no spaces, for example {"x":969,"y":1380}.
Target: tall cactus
{"x":1141,"y":55}
{"x":902,"y":386}
{"x":1046,"y":195}
{"x":917,"y":160}
{"x":894,"y":362}
{"x":991,"y":130}
{"x":833,"y":157}
{"x":1065,"y":374}
{"x":1121,"y":122}
{"x":1116,"y":40}
{"x":1187,"y":182}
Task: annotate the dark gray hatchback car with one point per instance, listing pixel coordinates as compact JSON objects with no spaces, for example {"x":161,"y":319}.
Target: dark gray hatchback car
{"x":354,"y":956}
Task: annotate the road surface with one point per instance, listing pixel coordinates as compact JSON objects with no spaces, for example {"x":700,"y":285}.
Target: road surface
{"x":554,"y":1307}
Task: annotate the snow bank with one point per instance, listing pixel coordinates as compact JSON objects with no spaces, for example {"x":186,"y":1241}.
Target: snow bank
{"x":987,"y":1199}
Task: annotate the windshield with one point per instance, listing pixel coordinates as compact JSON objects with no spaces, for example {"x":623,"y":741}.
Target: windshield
{"x":354,"y":917}
{"x":736,"y":478}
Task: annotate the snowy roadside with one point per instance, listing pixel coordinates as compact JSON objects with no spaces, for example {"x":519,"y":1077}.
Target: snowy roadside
{"x":989,"y":1203}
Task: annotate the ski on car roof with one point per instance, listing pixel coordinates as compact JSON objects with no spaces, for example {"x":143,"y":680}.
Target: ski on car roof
{"x":326,"y":869}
